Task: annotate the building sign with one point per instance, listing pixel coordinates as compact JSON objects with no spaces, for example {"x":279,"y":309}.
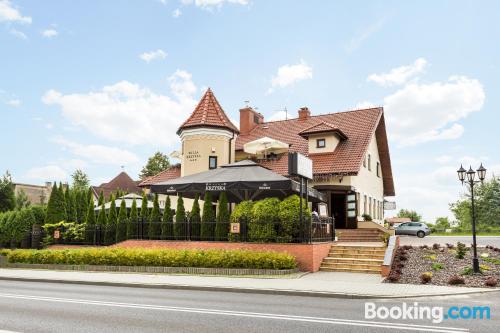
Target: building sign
{"x":235,"y":228}
{"x":193,"y":155}
{"x":215,"y":186}
{"x":389,"y":205}
{"x":171,"y":189}
{"x":57,"y":234}
{"x":299,"y":165}
{"x":264,"y":186}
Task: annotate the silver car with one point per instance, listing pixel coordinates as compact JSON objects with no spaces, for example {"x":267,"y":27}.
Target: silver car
{"x":418,"y":229}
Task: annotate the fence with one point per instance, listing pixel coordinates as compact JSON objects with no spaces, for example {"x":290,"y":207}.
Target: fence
{"x":266,"y":232}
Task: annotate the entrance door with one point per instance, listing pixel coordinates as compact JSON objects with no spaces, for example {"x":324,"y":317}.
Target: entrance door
{"x":338,"y":210}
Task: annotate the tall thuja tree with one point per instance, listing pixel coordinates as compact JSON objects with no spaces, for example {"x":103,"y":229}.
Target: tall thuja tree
{"x":90,"y":221}
{"x":180,"y":219}
{"x":100,"y":201}
{"x":222,"y":226}
{"x":132,"y":220}
{"x":69,"y":196}
{"x":195,"y":219}
{"x":144,"y":216}
{"x":154,"y":229}
{"x":102,"y":219}
{"x":80,"y":205}
{"x":207,"y":219}
{"x":121,"y":227}
{"x":110,"y":235}
{"x":56,"y":209}
{"x":167,"y":226}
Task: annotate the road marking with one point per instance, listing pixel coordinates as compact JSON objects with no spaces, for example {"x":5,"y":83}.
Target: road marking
{"x":321,"y":320}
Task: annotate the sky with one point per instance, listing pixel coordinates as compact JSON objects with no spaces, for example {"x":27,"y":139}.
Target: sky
{"x":102,"y":85}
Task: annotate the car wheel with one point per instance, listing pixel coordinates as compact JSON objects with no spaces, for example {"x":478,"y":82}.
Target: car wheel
{"x":420,"y":234}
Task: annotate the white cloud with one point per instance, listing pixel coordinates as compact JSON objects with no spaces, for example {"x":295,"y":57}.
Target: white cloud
{"x":18,"y":34}
{"x":14,"y":102}
{"x":176,"y":13}
{"x":279,"y":115}
{"x":443,"y":159}
{"x":49,"y":33}
{"x":49,"y":126}
{"x":364,"y":34}
{"x":128,"y":113}
{"x":9,"y":13}
{"x":364,"y":105}
{"x":98,"y":153}
{"x":153,"y":55}
{"x":210,"y":4}
{"x":427,"y":112}
{"x":47,"y":173}
{"x":290,"y":74}
{"x":399,"y":75}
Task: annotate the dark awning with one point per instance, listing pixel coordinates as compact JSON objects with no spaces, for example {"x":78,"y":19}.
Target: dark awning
{"x":244,"y":180}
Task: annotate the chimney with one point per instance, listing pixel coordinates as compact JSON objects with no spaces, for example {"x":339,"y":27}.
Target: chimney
{"x":304,"y":113}
{"x":249,"y":119}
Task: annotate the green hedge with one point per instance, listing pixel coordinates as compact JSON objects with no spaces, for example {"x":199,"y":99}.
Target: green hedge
{"x":156,"y":257}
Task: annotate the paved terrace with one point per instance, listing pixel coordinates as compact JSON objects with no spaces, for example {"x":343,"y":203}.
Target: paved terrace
{"x":332,"y":284}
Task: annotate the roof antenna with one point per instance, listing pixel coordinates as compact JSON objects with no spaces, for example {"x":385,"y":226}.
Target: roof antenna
{"x":247,"y":104}
{"x":123,"y":167}
{"x":284,"y":110}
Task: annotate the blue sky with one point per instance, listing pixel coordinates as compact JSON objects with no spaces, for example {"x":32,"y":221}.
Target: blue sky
{"x":101,"y":84}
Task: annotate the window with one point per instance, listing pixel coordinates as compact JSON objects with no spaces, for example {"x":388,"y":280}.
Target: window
{"x":369,"y":162}
{"x":320,"y":143}
{"x":365,"y":205}
{"x":364,"y":161}
{"x":212,"y":162}
{"x":378,"y":169}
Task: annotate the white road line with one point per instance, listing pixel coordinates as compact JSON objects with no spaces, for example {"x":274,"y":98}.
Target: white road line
{"x":323,"y":320}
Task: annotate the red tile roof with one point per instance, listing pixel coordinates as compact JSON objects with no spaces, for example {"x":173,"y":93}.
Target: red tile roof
{"x":171,"y":173}
{"x":208,"y":113}
{"x":358,"y":126}
{"x":121,"y":182}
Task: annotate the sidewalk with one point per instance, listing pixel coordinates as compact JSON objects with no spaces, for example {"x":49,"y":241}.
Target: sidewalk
{"x":326,"y":284}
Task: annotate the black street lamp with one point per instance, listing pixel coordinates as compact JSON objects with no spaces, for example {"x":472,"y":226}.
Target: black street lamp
{"x":471,"y":175}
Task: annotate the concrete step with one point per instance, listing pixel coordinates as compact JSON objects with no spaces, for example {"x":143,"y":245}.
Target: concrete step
{"x":356,"y":255}
{"x":347,"y":270}
{"x":377,"y":267}
{"x":357,"y":248}
{"x":343,"y":260}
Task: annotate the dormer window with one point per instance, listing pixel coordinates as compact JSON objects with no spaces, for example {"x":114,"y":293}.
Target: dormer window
{"x":369,"y":162}
{"x":320,"y":143}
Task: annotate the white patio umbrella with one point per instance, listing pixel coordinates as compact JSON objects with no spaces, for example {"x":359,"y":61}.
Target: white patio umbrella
{"x":265,"y":144}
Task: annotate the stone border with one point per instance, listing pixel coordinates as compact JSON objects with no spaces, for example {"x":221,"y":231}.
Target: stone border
{"x":154,"y":269}
{"x":390,"y":252}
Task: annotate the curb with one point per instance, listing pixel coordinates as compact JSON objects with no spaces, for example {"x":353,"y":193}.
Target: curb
{"x":283,"y":292}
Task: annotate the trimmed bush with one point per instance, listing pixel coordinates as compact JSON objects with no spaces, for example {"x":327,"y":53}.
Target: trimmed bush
{"x":426,"y":277}
{"x":207,"y":219}
{"x":144,"y":216}
{"x":461,"y":250}
{"x":264,"y":220}
{"x":121,"y":227}
{"x":455,"y":279}
{"x":491,"y":282}
{"x":154,"y":229}
{"x":289,"y":217}
{"x":167,"y":226}
{"x":134,"y":217}
{"x":222,"y":225}
{"x":156,"y":257}
{"x":180,"y":220}
{"x":195,"y":219}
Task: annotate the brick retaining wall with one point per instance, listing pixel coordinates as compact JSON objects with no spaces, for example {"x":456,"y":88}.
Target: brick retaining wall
{"x":309,"y":256}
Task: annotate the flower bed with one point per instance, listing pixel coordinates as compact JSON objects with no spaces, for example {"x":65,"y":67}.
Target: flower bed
{"x":156,"y":258}
{"x":441,"y":265}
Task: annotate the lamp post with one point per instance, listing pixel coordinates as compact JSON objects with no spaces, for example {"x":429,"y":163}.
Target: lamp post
{"x":468,"y":177}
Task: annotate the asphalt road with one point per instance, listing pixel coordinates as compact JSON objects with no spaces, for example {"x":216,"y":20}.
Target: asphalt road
{"x":50,"y":307}
{"x":429,"y":240}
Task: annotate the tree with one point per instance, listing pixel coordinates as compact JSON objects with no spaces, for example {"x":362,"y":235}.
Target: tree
{"x":413,"y":215}
{"x":195,"y":219}
{"x":80,"y":180}
{"x":167,"y":227}
{"x":121,"y":228}
{"x":22,"y":200}
{"x":207,"y":218}
{"x":70,"y":205}
{"x":134,"y":217}
{"x":102,"y":220}
{"x":222,"y":225}
{"x":110,"y":235}
{"x":180,"y":219}
{"x":144,"y":216}
{"x":100,"y":201}
{"x":156,"y":164}
{"x":442,"y":223}
{"x":7,"y":195}
{"x":154,"y":230}
{"x":90,"y":221}
{"x":56,"y":208}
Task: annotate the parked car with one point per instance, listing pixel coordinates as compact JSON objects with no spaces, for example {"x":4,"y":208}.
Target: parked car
{"x":418,"y":229}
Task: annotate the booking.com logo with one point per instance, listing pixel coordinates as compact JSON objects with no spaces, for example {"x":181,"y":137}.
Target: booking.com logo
{"x":437,"y":314}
